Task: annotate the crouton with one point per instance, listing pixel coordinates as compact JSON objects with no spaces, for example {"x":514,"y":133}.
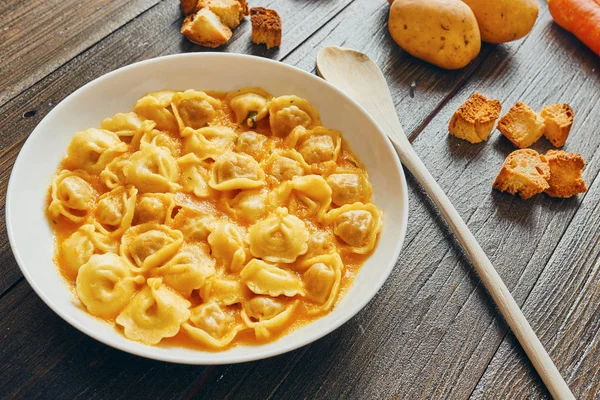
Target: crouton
{"x":188,"y":6}
{"x":206,"y":29}
{"x":521,"y":125}
{"x":231,"y":12}
{"x":565,"y":174}
{"x":558,"y":119}
{"x":525,"y":172}
{"x":474,"y":120}
{"x":266,"y":26}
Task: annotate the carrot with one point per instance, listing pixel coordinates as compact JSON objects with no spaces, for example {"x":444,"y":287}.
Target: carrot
{"x":581,"y":18}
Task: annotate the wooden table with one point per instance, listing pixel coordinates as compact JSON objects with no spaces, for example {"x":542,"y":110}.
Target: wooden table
{"x":432,"y":331}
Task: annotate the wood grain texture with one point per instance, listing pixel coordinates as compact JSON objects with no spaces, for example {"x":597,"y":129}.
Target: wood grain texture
{"x":36,"y":37}
{"x":431,"y":330}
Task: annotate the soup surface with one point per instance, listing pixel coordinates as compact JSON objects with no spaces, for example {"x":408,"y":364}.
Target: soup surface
{"x":209,"y":220}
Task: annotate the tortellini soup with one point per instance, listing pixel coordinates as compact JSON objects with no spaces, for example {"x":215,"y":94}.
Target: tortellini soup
{"x":210,"y":220}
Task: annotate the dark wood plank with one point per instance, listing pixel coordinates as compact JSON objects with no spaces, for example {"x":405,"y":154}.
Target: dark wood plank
{"x":563,"y":309}
{"x":153,"y":34}
{"x":432,"y":329}
{"x":39,"y":36}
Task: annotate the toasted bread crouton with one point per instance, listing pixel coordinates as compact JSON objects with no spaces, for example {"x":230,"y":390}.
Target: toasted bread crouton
{"x":558,"y":120}
{"x":266,"y":26}
{"x":565,"y":174}
{"x":474,"y":120}
{"x":206,"y":29}
{"x":521,"y":125}
{"x":188,"y":6}
{"x":231,"y":12}
{"x":525,"y":172}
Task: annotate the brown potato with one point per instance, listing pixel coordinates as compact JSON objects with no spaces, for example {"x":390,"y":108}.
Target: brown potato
{"x":441,"y":32}
{"x":504,"y":20}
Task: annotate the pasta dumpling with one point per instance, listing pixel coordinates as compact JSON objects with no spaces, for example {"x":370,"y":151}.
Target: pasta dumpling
{"x":212,"y":326}
{"x":112,"y":175}
{"x":114,"y":210}
{"x":72,"y":196}
{"x":209,"y":142}
{"x":322,"y":280}
{"x":349,"y":187}
{"x":77,"y":249}
{"x":188,"y":269}
{"x":288,"y":112}
{"x":264,"y":278}
{"x":156,"y":106}
{"x":149,"y":246}
{"x":154,"y":207}
{"x":249,"y":106}
{"x":284,"y":165}
{"x":158,"y":139}
{"x":267,"y":314}
{"x":152,"y":169}
{"x":91,"y":150}
{"x":280,"y":237}
{"x":194,"y":109}
{"x":319,"y":146}
{"x":195,"y":175}
{"x":306,"y":196}
{"x":227,"y":243}
{"x":234,"y":171}
{"x":357,"y":225}
{"x":320,"y":242}
{"x":194,"y":226}
{"x":249,"y":205}
{"x":105,"y":285}
{"x":253,"y":144}
{"x":154,"y":313}
{"x":224,"y":291}
{"x":127,"y":126}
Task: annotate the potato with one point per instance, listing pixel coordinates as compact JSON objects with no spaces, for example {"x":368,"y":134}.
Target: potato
{"x":504,"y":20}
{"x":442,"y":32}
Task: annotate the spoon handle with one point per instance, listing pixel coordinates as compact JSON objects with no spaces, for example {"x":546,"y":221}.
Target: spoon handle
{"x":360,"y":78}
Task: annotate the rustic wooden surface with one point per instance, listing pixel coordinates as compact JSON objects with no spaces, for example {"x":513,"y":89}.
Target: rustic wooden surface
{"x":432,"y":331}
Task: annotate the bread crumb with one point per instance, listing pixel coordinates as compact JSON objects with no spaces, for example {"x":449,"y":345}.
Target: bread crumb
{"x":558,"y":120}
{"x":474,"y":120}
{"x":521,"y":125}
{"x":230,"y":12}
{"x":266,"y":26}
{"x":187,"y":6}
{"x":206,"y":29}
{"x":565,"y":174}
{"x":524,"y":172}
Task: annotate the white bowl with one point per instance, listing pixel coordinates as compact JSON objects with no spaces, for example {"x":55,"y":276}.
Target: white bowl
{"x":31,"y":238}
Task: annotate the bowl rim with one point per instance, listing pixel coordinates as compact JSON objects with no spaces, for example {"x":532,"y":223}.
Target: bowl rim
{"x":146,"y":351}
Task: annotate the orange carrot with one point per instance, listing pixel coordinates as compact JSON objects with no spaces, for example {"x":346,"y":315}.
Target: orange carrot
{"x":581,"y":18}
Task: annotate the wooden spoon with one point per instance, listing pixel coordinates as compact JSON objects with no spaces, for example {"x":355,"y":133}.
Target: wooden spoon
{"x":359,"y":77}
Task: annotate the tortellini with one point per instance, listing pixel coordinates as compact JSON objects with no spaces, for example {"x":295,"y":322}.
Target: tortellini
{"x":357,"y":225}
{"x":92,"y":149}
{"x":228,"y":244}
{"x":205,"y":215}
{"x":264,"y":278}
{"x":188,"y":269}
{"x":349,"y":186}
{"x":234,"y":171}
{"x":152,"y":169}
{"x":105,"y":285}
{"x":114,"y":210}
{"x":127,"y":126}
{"x":305,"y":196}
{"x":209,"y":142}
{"x":156,"y":106}
{"x":194,"y":109}
{"x":249,"y":106}
{"x":280,"y":237}
{"x":267,"y":314}
{"x":72,"y":196}
{"x":212,"y":326}
{"x":149,"y":246}
{"x":288,"y":112}
{"x":154,"y":313}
